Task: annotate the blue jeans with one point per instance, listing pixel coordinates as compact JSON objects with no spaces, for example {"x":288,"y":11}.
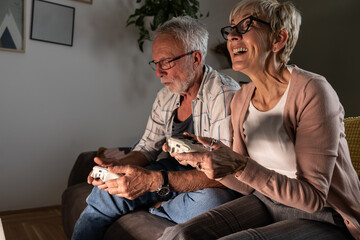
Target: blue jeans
{"x":103,"y":209}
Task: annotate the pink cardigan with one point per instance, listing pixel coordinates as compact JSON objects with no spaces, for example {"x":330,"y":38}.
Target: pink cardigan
{"x":313,"y":119}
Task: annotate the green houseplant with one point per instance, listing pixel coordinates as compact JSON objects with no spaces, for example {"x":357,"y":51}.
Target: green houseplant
{"x":160,"y":11}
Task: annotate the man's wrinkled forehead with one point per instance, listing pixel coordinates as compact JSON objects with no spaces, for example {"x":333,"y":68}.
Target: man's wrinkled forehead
{"x":166,"y":44}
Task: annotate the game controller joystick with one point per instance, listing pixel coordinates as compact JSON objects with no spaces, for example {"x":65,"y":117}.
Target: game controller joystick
{"x":103,"y":174}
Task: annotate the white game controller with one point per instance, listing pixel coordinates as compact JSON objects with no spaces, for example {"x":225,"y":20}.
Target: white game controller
{"x":103,"y":174}
{"x":185,"y":145}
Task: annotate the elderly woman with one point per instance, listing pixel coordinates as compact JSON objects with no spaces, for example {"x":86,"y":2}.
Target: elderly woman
{"x":289,"y":158}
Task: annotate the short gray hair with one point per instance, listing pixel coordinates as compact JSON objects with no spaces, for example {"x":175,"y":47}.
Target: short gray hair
{"x":279,"y":15}
{"x":192,"y":34}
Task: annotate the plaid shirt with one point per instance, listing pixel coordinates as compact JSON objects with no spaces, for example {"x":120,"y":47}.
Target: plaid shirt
{"x":210,"y":112}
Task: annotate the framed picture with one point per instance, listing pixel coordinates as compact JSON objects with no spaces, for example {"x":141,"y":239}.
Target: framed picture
{"x":52,"y":22}
{"x":85,"y":1}
{"x":12,"y":25}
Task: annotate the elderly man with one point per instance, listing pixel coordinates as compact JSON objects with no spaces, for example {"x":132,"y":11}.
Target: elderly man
{"x":195,"y":99}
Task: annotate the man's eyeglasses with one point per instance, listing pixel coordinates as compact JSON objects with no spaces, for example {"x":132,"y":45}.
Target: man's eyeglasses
{"x":242,"y":27}
{"x":166,"y":64}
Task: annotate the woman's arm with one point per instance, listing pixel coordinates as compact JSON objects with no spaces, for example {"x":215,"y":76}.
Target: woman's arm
{"x":316,"y":137}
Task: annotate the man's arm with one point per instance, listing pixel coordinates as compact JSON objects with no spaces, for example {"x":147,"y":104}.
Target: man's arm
{"x":189,"y":181}
{"x":179,"y":181}
{"x":136,"y":181}
{"x":133,"y":158}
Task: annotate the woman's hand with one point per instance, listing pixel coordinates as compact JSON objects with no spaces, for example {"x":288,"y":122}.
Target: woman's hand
{"x":218,"y":163}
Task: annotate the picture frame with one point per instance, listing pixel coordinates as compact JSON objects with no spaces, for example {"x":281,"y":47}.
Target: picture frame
{"x":52,"y":22}
{"x":13,"y":25}
{"x":85,"y":1}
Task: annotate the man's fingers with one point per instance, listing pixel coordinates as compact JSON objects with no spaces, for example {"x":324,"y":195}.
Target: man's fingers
{"x":114,"y":182}
{"x":94,"y":181}
{"x":165,"y":147}
{"x":89,"y":178}
{"x":122,"y":169}
{"x":111,"y":152}
{"x":114,"y":153}
{"x":103,"y":162}
{"x":102,"y":186}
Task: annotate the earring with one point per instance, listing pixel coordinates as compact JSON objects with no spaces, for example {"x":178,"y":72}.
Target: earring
{"x":274,"y":49}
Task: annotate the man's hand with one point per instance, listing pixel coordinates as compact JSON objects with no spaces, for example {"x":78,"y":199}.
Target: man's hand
{"x":134,"y":182}
{"x":114,"y":153}
{"x":102,"y":162}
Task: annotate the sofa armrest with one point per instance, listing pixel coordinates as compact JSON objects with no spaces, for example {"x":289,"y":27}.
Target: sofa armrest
{"x":83,"y":166}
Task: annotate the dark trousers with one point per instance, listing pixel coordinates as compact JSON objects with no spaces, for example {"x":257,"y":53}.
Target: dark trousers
{"x":257,"y":217}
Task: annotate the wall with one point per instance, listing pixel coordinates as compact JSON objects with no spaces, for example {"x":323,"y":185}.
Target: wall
{"x":57,"y":101}
{"x":329,"y":45}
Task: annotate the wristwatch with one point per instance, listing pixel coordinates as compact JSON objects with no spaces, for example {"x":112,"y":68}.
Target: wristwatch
{"x":164,"y":189}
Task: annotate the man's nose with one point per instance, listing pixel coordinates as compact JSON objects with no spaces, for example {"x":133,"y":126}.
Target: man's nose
{"x":159,"y":72}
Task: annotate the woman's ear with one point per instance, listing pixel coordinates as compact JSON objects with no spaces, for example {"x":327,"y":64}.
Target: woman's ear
{"x":280,"y":40}
{"x":197,"y":59}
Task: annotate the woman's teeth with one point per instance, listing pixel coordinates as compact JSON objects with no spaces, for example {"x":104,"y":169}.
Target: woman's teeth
{"x":237,"y":51}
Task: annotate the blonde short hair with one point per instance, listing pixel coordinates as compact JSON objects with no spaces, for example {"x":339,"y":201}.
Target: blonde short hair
{"x":279,"y":15}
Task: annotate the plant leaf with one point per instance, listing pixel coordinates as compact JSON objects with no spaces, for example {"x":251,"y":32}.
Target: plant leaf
{"x":159,"y":19}
{"x":161,"y":11}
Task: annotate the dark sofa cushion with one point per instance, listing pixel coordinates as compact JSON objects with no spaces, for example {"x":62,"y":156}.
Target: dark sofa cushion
{"x":73,"y":203}
{"x":137,"y":225}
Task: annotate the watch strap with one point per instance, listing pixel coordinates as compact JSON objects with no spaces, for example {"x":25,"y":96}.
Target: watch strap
{"x":165,"y":178}
{"x":164,"y":189}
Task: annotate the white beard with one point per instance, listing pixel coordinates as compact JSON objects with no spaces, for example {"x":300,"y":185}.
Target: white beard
{"x":182,"y":86}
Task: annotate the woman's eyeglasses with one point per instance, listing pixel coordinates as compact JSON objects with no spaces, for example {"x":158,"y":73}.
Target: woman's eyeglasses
{"x":242,"y":27}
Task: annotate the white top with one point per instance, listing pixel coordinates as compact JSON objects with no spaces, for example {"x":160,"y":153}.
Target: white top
{"x":266,"y":140}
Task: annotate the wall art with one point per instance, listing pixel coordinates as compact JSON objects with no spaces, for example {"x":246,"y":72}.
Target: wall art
{"x":52,"y":22}
{"x":85,"y":1}
{"x":12,"y":25}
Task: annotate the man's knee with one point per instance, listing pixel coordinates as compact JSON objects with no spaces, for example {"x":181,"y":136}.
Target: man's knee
{"x":96,"y":196}
{"x":212,"y":196}
{"x":106,"y":203}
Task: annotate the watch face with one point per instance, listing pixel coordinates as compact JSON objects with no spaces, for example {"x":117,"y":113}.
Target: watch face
{"x":163,"y":191}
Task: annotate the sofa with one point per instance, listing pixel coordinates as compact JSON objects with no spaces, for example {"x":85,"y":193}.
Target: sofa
{"x":141,"y":225}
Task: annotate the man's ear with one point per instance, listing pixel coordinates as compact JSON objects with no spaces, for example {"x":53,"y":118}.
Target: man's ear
{"x":280,"y":40}
{"x":197,"y":56}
